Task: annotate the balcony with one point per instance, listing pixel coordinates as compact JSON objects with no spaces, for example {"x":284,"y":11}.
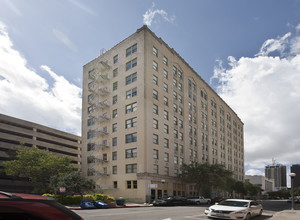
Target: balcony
{"x":102,"y":132}
{"x":103,"y":104}
{"x":104,"y":117}
{"x":104,"y":65}
{"x":104,"y":91}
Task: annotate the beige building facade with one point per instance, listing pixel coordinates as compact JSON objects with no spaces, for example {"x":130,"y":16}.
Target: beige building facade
{"x":14,"y":131}
{"x":145,"y":113}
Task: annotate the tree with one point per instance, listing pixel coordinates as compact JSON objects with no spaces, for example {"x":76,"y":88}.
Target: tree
{"x":205,"y":176}
{"x":73,"y":182}
{"x":38,"y":166}
{"x":252,"y":189}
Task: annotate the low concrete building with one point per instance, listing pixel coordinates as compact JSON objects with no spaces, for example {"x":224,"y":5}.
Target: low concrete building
{"x":14,"y":131}
{"x":267,"y":185}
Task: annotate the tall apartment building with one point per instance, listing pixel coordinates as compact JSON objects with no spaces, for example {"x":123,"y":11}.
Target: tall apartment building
{"x":278,"y":173}
{"x":14,"y":131}
{"x":295,"y":168}
{"x":145,"y":113}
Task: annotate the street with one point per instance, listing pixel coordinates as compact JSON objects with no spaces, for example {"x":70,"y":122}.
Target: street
{"x":173,"y":213}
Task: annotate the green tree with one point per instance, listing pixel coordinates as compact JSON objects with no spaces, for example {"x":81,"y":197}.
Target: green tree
{"x":38,"y":166}
{"x":73,"y":182}
{"x":252,"y":189}
{"x":205,"y":176}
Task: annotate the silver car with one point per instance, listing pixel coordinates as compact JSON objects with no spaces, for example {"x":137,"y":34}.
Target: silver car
{"x":234,"y":209}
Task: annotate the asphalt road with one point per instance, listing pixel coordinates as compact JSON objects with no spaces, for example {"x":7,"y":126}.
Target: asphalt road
{"x":173,"y":213}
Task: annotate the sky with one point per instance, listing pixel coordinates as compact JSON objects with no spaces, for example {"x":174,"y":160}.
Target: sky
{"x":248,"y":51}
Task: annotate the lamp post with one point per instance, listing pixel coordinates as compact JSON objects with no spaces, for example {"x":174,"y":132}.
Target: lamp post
{"x":163,"y":188}
{"x":292,"y":175}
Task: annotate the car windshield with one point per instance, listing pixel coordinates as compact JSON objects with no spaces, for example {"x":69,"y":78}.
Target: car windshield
{"x":234,"y":203}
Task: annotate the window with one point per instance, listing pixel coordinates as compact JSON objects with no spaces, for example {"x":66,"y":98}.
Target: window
{"x":180,"y":135}
{"x":175,"y":95}
{"x":175,"y":120}
{"x":90,"y":134}
{"x":181,"y":149}
{"x":155,"y":139}
{"x":166,"y":143}
{"x":155,"y":94}
{"x":114,"y":141}
{"x":175,"y":108}
{"x":166,"y":129}
{"x":115,"y":99}
{"x":155,"y":168}
{"x":115,"y":184}
{"x":131,"y":153}
{"x":174,"y":82}
{"x":131,"y":93}
{"x":175,"y":147}
{"x":155,"y":109}
{"x":132,"y":184}
{"x":165,"y":74}
{"x":131,"y":50}
{"x":131,"y":123}
{"x":115,"y":72}
{"x":155,"y":52}
{"x":116,"y":59}
{"x":114,"y":127}
{"x":91,"y":121}
{"x":131,"y":168}
{"x":166,"y":170}
{"x":92,"y":85}
{"x":114,"y":168}
{"x":130,"y":138}
{"x":114,"y":155}
{"x":180,"y":86}
{"x":180,"y":98}
{"x":155,"y":154}
{"x":131,"y":108}
{"x":166,"y":115}
{"x":131,"y":64}
{"x":165,"y":60}
{"x":155,"y":123}
{"x":166,"y":101}
{"x":115,"y":86}
{"x":166,"y":87}
{"x":131,"y":78}
{"x":155,"y":80}
{"x":166,"y":157}
{"x":175,"y":160}
{"x":115,"y":113}
{"x":175,"y":132}
{"x":155,"y":66}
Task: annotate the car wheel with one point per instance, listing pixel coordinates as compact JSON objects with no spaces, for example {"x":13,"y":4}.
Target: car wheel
{"x":197,"y":203}
{"x":248,"y":216}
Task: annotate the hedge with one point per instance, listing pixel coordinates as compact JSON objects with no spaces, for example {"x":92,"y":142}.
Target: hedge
{"x":76,"y":199}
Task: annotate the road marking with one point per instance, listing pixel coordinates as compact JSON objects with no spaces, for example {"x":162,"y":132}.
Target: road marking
{"x":195,"y":216}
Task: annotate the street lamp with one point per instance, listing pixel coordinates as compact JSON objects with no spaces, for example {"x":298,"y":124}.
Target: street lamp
{"x":163,"y":188}
{"x":292,"y":175}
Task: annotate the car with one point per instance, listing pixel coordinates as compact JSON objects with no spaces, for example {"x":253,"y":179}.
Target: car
{"x":33,"y":207}
{"x":234,"y":209}
{"x":198,"y":200}
{"x":296,"y":200}
{"x":171,"y":200}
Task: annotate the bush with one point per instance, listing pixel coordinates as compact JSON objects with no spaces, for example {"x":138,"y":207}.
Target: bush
{"x":76,"y":199}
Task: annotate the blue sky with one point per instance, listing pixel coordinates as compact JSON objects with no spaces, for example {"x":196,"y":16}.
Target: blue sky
{"x":248,"y":51}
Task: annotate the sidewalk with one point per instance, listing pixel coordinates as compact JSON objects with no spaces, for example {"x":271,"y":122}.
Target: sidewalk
{"x":287,"y":215}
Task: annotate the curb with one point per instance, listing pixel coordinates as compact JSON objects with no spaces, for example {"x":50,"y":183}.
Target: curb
{"x":117,"y":207}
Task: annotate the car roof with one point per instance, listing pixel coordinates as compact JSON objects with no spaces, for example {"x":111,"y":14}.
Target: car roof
{"x":5,"y":195}
{"x":240,"y":200}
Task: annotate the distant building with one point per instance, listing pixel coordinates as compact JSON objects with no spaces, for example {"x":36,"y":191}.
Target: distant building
{"x":278,"y":173}
{"x":267,"y":185}
{"x":146,"y":112}
{"x":296,"y":169}
{"x":14,"y":131}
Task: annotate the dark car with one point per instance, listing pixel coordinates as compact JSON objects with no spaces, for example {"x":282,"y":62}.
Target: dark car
{"x":32,"y":207}
{"x":170,"y":201}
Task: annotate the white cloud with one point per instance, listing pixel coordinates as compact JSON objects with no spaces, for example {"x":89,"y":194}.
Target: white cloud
{"x":26,"y":95}
{"x":272,"y":45}
{"x":150,"y":15}
{"x":253,"y":172}
{"x":13,"y":7}
{"x":83,"y":7}
{"x":64,"y":39}
{"x":265,"y":92}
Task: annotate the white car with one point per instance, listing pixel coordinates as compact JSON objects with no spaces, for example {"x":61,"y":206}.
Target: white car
{"x":234,"y":209}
